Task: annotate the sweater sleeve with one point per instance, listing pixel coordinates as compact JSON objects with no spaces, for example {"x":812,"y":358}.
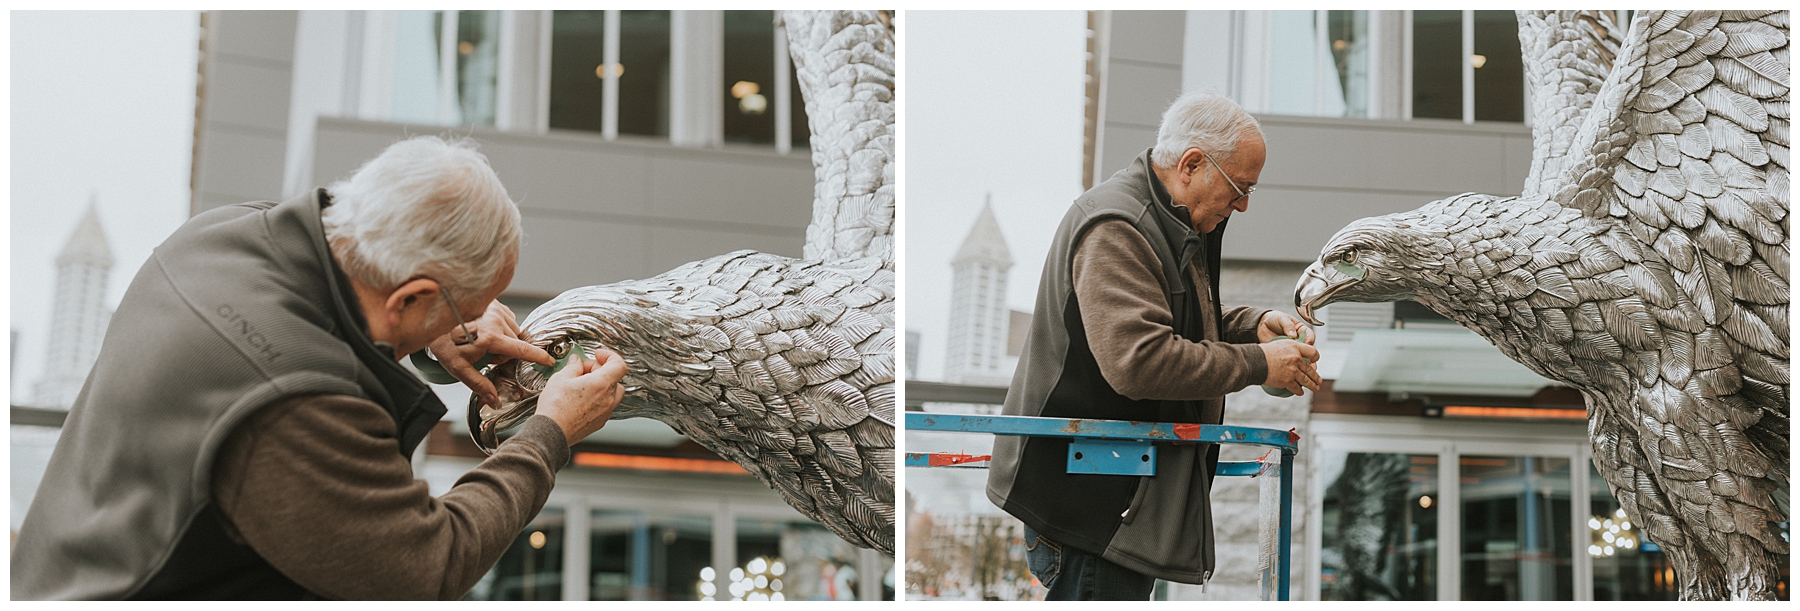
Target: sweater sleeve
{"x":1119,"y":288}
{"x":1241,"y":323}
{"x":318,"y":487}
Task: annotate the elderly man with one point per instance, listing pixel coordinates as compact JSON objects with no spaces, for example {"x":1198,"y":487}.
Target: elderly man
{"x":246,"y":430}
{"x":1128,"y":326}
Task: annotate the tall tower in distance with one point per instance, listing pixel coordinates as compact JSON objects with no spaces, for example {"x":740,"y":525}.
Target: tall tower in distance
{"x":78,"y":320}
{"x":979,"y":317}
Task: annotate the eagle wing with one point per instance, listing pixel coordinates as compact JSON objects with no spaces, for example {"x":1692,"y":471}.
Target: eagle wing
{"x":1681,"y":163}
{"x":1568,"y":55}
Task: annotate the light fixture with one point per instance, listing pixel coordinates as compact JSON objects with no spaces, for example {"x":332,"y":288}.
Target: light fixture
{"x":1425,"y":502}
{"x":737,"y":574}
{"x":618,"y":70}
{"x":1339,"y":44}
{"x":707,"y":574}
{"x":1478,"y":60}
{"x":753,"y":104}
{"x":742,"y":89}
{"x":538,"y":539}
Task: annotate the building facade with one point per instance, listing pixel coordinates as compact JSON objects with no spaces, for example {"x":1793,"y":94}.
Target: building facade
{"x":633,"y":141}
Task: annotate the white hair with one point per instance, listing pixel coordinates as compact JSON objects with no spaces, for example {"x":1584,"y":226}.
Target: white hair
{"x":425,"y":207}
{"x":1204,"y":120}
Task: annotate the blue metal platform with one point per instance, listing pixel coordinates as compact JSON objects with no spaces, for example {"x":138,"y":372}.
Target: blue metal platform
{"x":1116,"y":447}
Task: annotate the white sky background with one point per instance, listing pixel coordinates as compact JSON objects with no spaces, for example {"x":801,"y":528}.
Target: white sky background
{"x":993,"y":104}
{"x":102,"y":103}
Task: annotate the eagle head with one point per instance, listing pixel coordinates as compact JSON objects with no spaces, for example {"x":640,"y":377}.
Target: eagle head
{"x":1382,"y":258}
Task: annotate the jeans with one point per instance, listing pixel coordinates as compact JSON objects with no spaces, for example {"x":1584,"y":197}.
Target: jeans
{"x":1072,"y":574}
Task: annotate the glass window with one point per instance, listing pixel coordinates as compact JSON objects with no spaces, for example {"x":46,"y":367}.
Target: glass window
{"x":1318,"y":72}
{"x":1349,"y":35}
{"x":1436,"y":64}
{"x":1293,"y":60}
{"x":644,"y":73}
{"x":577,"y":52}
{"x":1379,"y":533}
{"x":532,"y":569}
{"x":1499,"y":67}
{"x":749,"y":77}
{"x":1627,"y":566}
{"x":578,"y":73}
{"x":477,"y":66}
{"x":636,"y":555}
{"x":1515,"y":528}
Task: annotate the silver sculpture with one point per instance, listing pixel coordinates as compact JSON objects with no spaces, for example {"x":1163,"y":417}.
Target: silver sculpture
{"x":1646,"y":265}
{"x":783,"y":365}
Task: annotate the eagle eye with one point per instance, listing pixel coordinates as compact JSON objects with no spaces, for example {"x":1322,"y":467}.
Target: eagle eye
{"x":558,"y":350}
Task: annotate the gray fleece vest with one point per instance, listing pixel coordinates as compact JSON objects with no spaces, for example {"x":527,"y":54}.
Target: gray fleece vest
{"x":1159,"y":526}
{"x":241,"y":307}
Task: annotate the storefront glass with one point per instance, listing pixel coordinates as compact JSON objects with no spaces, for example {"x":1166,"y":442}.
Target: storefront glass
{"x":1379,"y":531}
{"x":639,"y":555}
{"x":532,"y":569}
{"x":1515,"y":528}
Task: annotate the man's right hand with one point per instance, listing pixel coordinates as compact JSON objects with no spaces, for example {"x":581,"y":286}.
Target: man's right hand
{"x":581,"y":397}
{"x":1292,"y":365}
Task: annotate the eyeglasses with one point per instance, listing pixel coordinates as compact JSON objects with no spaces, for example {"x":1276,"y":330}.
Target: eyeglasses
{"x":468,"y":337}
{"x":1242,"y":193}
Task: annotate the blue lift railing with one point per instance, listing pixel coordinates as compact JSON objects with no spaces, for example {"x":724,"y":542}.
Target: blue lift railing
{"x":1115,"y":447}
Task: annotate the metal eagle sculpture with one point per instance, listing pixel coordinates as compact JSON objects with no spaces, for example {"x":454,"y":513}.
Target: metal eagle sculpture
{"x":785,"y":366}
{"x":1645,"y":265}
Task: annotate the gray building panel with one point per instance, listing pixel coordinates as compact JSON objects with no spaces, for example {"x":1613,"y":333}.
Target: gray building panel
{"x":716,"y":186}
{"x":560,"y":253}
{"x":1138,"y":94}
{"x":245,"y":101}
{"x":1123,"y":143}
{"x":1419,"y":156}
{"x":590,"y":181}
{"x":257,"y":35}
{"x":241,"y":165}
{"x":1286,"y":224}
{"x":1149,"y":36}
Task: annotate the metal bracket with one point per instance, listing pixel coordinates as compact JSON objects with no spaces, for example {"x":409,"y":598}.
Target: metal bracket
{"x":1108,"y":457}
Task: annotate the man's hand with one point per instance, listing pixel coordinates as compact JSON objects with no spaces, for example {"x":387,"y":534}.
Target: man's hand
{"x":497,"y":333}
{"x":581,"y":397}
{"x":1276,"y":323}
{"x":1292,"y":366}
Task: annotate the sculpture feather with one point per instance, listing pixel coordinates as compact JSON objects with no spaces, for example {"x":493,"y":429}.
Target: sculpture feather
{"x":785,"y":366}
{"x":1646,"y":265}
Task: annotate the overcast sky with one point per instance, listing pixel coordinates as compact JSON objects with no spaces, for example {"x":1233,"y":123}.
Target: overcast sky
{"x":102,"y":106}
{"x":993,"y":105}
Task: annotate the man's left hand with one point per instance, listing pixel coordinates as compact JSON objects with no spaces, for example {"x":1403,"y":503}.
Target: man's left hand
{"x":497,"y":333}
{"x":1277,"y":323}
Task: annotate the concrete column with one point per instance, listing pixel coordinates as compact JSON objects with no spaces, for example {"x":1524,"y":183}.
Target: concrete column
{"x":575,"y":549}
{"x":522,"y":85}
{"x":696,"y":75}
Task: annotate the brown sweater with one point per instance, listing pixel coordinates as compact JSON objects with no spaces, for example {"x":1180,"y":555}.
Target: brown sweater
{"x":1119,"y":283}
{"x":318,"y":487}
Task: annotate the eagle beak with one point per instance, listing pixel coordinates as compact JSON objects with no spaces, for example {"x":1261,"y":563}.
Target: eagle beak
{"x":1317,"y":288}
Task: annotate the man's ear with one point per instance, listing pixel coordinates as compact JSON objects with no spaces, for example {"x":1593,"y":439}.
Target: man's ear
{"x":413,"y":295}
{"x":1190,"y":162}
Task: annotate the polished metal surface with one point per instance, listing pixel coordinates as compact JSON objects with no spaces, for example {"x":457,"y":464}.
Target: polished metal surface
{"x":1646,"y":264}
